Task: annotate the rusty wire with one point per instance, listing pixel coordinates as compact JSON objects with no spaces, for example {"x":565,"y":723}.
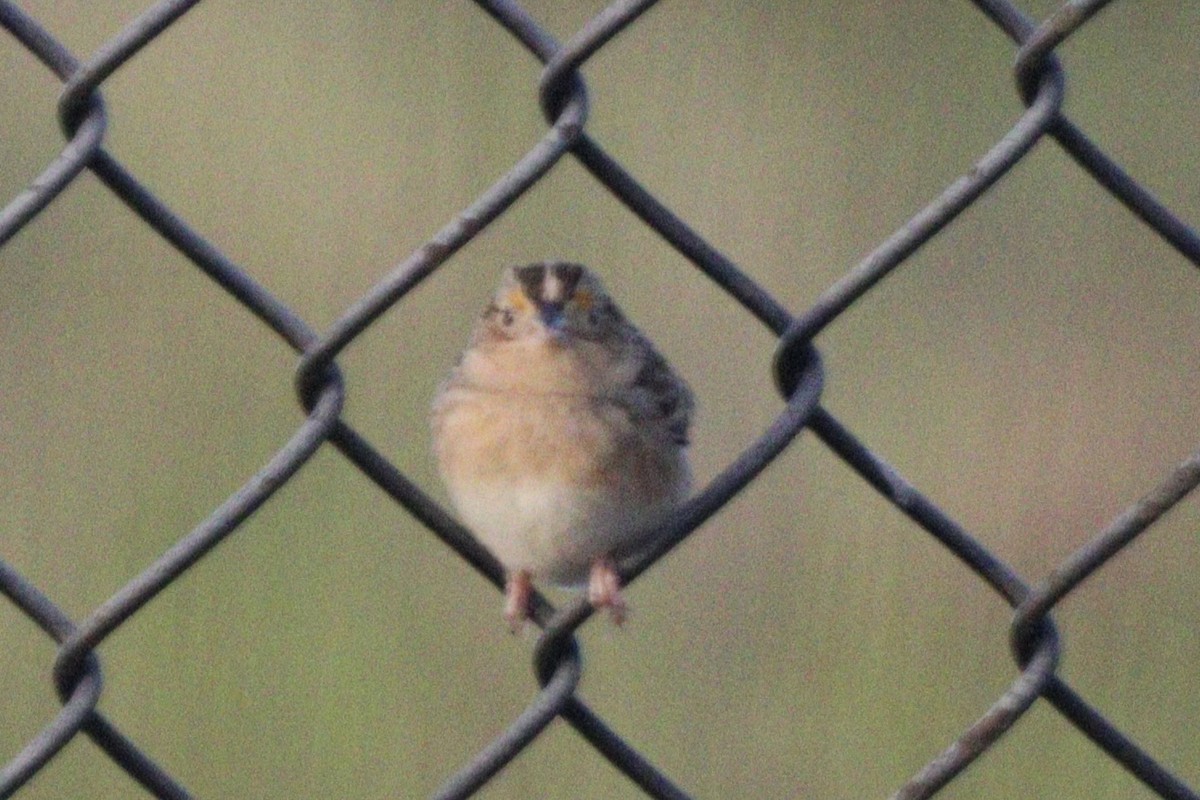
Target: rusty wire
{"x":1040,"y":81}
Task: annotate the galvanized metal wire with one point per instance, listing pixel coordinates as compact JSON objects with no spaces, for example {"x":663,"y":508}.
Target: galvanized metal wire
{"x":1040,"y":81}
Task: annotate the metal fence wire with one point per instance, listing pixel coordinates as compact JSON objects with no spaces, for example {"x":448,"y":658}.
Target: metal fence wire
{"x":798,"y":371}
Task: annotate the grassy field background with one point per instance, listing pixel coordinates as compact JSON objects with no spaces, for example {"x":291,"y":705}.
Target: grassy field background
{"x":1032,"y":370}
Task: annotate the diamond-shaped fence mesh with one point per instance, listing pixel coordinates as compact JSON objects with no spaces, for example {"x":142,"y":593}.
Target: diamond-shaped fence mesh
{"x":799,"y":373}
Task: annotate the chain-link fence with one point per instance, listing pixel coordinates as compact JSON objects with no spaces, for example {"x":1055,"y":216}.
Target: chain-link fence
{"x":799,"y":375}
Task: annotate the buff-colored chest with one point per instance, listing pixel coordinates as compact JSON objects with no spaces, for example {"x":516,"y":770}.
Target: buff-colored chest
{"x":545,"y":464}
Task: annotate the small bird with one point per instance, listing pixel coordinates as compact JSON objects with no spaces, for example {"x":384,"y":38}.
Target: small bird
{"x":561,"y":435}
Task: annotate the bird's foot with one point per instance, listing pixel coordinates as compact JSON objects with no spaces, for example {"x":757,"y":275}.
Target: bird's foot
{"x":604,"y":589}
{"x":518,"y":593}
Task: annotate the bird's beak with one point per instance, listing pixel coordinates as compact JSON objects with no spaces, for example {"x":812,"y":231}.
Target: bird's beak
{"x":554,"y":320}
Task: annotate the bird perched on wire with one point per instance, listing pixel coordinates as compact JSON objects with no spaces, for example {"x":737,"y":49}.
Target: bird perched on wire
{"x":561,"y":435}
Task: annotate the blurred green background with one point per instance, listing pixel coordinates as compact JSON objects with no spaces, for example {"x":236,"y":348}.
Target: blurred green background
{"x":1032,"y":370}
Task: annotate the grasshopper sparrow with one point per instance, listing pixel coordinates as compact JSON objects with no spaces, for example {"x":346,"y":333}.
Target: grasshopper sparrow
{"x":561,"y":435}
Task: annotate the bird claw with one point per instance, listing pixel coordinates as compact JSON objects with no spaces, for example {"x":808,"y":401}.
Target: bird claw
{"x":604,"y":590}
{"x":518,"y":593}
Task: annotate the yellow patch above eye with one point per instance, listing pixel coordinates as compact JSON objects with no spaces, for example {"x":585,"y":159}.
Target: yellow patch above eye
{"x":584,"y":299}
{"x":518,"y":301}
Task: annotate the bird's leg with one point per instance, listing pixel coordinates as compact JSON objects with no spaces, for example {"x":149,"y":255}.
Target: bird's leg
{"x":604,"y":589}
{"x":518,"y":592}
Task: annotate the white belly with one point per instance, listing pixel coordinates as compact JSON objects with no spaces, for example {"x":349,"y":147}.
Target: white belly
{"x":552,"y":531}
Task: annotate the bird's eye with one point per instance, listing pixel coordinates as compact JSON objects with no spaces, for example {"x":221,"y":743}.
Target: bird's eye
{"x":506,"y":317}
